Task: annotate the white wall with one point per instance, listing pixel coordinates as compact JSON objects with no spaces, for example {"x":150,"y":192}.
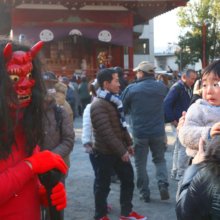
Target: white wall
{"x":162,"y":62}
{"x":148,"y":33}
{"x":170,"y":61}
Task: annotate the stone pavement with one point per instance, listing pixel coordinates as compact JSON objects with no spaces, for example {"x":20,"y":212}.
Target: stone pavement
{"x":79,"y":187}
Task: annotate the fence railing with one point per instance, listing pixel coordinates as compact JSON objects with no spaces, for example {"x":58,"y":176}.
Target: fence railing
{"x":62,"y":61}
{"x":91,"y":73}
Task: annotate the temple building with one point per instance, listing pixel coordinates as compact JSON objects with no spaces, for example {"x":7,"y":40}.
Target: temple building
{"x":81,"y":36}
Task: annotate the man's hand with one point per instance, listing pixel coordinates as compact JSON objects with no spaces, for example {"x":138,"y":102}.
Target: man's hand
{"x":88,"y":149}
{"x":200,"y":155}
{"x":215,"y":129}
{"x":131,"y":150}
{"x":126,"y":157}
{"x":181,"y":122}
{"x":174,"y":123}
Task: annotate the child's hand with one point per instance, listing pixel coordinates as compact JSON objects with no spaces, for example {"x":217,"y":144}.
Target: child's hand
{"x":215,"y":129}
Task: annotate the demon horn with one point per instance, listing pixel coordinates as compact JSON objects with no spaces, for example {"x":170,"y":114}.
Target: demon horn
{"x":35,"y":49}
{"x":7,"y":51}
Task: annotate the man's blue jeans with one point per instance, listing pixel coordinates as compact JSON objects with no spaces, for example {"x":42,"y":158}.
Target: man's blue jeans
{"x":141,"y":150}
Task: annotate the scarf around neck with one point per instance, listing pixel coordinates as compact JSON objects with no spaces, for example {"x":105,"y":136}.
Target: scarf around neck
{"x":104,"y":94}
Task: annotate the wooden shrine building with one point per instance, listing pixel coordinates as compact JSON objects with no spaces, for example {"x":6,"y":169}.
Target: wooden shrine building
{"x":76,"y":31}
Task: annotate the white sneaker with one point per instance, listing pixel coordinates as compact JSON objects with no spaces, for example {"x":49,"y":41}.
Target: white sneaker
{"x":179,"y":177}
{"x":173,"y":176}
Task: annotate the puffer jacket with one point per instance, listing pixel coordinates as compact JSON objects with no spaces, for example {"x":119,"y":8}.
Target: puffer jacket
{"x":199,"y":191}
{"x":53,"y":141}
{"x":200,"y":118}
{"x":107,"y":129}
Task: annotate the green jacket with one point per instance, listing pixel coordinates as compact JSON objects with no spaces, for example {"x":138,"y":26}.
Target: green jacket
{"x":83,"y":90}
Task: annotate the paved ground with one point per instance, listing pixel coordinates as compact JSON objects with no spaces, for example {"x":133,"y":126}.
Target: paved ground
{"x":80,"y":180}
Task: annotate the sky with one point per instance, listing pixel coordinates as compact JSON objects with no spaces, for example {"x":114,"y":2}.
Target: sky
{"x":166,"y":29}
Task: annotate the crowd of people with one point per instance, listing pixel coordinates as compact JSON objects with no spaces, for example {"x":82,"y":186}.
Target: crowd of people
{"x":37,"y":135}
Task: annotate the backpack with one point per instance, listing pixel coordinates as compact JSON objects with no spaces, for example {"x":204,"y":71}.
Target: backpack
{"x":180,"y":95}
{"x":58,"y":117}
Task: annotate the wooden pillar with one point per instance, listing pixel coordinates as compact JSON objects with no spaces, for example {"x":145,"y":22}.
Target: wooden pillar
{"x":122,"y":58}
{"x":131,"y":57}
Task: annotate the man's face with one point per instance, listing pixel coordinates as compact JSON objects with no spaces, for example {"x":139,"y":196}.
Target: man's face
{"x":19,"y":69}
{"x":189,"y":81}
{"x":114,"y":85}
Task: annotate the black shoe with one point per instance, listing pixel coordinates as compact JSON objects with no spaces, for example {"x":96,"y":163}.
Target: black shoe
{"x":145,"y":199}
{"x":163,"y":188}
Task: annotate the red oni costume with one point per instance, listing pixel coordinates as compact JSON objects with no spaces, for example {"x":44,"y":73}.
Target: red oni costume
{"x":19,"y":185}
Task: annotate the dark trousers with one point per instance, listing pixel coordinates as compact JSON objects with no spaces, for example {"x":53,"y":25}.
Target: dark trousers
{"x":105,"y":164}
{"x":84,"y":103}
{"x":94,"y":166}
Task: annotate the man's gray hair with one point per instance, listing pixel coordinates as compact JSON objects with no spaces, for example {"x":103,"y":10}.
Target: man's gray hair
{"x":187,"y":72}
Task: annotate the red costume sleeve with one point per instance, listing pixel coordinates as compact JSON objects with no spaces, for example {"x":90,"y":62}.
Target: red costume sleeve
{"x":13,"y":179}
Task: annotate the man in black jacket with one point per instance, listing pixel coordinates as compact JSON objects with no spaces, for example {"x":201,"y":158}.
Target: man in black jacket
{"x":198,"y":194}
{"x":123,"y":82}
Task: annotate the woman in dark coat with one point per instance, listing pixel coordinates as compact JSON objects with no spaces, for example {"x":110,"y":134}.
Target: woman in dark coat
{"x":199,"y":191}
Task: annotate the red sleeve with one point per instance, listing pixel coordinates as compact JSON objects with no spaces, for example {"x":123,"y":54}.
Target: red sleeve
{"x":13,"y":179}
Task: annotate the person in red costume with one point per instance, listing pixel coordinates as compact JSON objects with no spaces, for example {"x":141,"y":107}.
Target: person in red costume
{"x":21,"y":130}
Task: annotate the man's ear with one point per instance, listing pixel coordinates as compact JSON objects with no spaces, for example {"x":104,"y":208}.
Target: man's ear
{"x":105,"y":84}
{"x":142,"y":74}
{"x":184,"y":77}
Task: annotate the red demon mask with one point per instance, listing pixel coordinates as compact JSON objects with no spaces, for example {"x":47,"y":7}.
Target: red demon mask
{"x":19,"y":68}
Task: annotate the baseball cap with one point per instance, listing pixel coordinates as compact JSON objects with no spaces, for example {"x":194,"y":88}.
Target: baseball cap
{"x":145,"y":66}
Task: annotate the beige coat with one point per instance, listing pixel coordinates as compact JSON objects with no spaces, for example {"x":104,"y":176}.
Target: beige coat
{"x":60,"y":98}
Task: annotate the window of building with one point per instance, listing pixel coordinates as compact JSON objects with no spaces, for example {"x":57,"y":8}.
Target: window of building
{"x":141,"y":46}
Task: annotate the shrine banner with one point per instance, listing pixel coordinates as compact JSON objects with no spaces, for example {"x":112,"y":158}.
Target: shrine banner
{"x":110,"y":26}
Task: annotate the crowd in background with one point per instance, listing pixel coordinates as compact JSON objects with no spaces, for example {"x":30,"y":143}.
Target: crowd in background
{"x":169,"y":95}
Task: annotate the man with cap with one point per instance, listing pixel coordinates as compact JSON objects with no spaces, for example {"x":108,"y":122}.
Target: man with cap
{"x":144,"y":100}
{"x":70,"y":94}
